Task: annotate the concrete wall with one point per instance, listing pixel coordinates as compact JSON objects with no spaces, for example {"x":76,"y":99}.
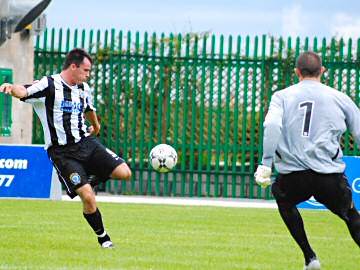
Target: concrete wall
{"x":17,"y":54}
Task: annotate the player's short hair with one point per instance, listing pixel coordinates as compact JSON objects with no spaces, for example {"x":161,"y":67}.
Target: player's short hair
{"x":309,"y":64}
{"x":76,"y":56}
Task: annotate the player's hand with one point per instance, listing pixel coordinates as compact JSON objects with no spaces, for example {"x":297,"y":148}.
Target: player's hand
{"x":262,"y":176}
{"x":6,"y":88}
{"x":94,"y":131}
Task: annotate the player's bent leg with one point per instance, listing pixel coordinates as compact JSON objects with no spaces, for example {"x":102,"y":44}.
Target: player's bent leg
{"x":289,"y":190}
{"x":295,"y":225}
{"x":121,"y":172}
{"x":338,"y":200}
{"x":353,"y":224}
{"x":93,"y":216}
{"x":350,"y":216}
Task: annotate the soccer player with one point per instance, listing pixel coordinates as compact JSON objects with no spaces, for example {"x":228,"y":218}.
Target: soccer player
{"x":302,"y":132}
{"x":62,"y":102}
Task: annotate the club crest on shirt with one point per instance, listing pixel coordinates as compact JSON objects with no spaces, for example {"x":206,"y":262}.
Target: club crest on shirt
{"x":75,"y":178}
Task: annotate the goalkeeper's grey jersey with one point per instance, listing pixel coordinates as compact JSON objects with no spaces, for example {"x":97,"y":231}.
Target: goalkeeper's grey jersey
{"x":304,"y":125}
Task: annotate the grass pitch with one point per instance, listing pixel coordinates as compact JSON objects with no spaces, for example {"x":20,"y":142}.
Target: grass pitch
{"x":40,"y":235}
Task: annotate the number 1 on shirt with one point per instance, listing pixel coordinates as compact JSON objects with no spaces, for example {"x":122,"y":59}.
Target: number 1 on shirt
{"x":308,"y":107}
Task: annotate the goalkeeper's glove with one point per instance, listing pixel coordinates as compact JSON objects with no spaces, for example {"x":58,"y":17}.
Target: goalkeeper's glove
{"x":262,"y":176}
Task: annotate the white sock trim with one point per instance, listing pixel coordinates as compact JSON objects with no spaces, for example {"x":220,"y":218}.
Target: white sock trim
{"x":102,"y":235}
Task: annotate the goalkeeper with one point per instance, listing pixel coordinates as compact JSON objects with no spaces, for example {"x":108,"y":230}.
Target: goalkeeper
{"x":302,"y":132}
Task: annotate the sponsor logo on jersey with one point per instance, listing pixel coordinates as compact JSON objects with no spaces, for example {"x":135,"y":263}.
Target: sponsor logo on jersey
{"x":71,"y":106}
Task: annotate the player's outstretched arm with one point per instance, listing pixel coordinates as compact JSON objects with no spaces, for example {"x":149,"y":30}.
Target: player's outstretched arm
{"x":18,"y":91}
{"x":272,"y":129}
{"x":272,"y":133}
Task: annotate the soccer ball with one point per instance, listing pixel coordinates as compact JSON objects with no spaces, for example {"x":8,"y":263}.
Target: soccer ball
{"x":163,"y":158}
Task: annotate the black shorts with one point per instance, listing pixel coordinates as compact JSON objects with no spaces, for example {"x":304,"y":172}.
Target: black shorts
{"x":332,"y":190}
{"x":75,"y":162}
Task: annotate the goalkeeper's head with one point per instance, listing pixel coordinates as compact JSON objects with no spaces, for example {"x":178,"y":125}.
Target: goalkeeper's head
{"x":309,"y":66}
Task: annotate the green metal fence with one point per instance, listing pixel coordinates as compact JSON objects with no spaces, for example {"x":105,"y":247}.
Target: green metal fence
{"x":204,"y":95}
{"x":5,"y":104}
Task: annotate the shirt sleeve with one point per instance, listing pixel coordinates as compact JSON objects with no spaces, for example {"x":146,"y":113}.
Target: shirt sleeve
{"x":352,"y":115}
{"x":36,"y":91}
{"x":88,"y":99}
{"x":272,"y":129}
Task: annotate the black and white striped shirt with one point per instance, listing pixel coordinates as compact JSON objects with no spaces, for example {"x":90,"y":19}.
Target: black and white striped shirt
{"x":60,"y":108}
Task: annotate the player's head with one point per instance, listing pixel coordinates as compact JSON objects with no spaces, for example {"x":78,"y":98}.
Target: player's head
{"x":308,"y":65}
{"x":78,"y":65}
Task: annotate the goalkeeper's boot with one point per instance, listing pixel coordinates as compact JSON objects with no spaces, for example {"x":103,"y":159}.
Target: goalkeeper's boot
{"x":314,"y":264}
{"x":105,"y":241}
